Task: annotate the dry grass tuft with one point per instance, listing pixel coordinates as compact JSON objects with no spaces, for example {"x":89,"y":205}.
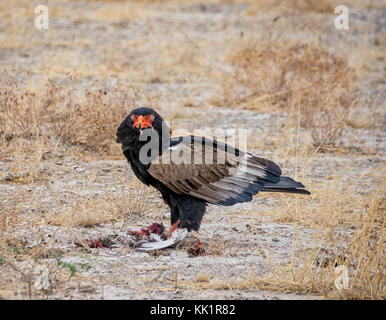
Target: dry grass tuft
{"x":312,"y":270}
{"x":203,"y":277}
{"x":362,"y":251}
{"x":321,"y":6}
{"x":347,"y":230}
{"x":89,"y":210}
{"x":297,"y":78}
{"x":82,"y":117}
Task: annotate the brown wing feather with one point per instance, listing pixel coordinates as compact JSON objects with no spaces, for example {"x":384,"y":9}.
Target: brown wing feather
{"x":214,"y":182}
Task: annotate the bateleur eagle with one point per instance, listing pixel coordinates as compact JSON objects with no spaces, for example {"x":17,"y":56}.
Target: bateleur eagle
{"x":229,"y":176}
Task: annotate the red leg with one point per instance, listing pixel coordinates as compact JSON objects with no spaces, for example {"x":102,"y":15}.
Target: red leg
{"x":173,"y":227}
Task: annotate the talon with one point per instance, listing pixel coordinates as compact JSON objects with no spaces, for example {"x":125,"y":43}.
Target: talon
{"x":173,"y":227}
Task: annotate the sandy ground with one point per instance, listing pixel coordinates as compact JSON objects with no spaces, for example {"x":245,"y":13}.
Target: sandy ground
{"x":236,"y":238}
{"x":122,"y":272}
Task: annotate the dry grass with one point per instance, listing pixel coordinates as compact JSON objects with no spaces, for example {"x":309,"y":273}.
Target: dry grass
{"x":312,"y":270}
{"x":89,"y":210}
{"x":304,"y":80}
{"x":323,"y":6}
{"x":65,"y":114}
{"x":203,"y":277}
{"x":361,"y":249}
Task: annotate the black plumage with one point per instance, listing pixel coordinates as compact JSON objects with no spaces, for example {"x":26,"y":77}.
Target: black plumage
{"x":188,"y":186}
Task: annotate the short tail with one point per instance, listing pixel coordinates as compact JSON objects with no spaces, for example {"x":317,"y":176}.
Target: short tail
{"x":287,"y":185}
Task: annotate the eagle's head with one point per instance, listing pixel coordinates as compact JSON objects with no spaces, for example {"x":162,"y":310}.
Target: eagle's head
{"x":140,"y":121}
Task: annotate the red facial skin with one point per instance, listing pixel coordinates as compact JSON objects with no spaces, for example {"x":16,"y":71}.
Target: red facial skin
{"x":142,"y":122}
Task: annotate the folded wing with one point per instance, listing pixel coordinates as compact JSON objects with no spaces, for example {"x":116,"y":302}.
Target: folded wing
{"x":213,"y":171}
